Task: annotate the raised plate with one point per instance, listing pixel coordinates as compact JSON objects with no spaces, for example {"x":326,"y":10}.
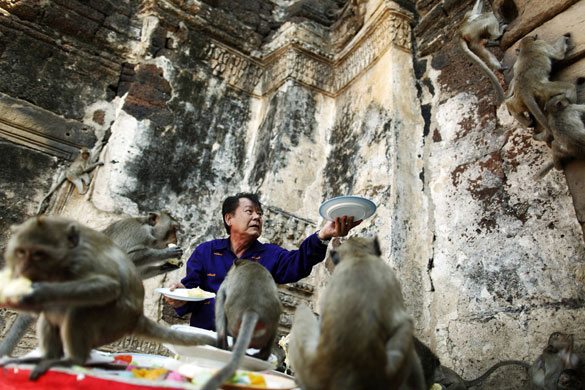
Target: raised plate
{"x":352,"y":206}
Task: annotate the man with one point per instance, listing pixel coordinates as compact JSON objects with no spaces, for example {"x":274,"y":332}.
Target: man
{"x":242,"y":218}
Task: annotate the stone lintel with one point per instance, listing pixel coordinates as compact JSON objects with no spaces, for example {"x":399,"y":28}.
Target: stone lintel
{"x":33,"y":127}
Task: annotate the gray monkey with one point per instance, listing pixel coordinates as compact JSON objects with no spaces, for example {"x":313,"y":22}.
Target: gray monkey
{"x":85,"y":288}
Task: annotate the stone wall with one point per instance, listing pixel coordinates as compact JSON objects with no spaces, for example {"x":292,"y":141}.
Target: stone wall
{"x":507,"y":248}
{"x":300,"y":103}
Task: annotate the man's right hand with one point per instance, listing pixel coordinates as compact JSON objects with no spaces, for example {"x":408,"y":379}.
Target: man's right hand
{"x":171,"y":301}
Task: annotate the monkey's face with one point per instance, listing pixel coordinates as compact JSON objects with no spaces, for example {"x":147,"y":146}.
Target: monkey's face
{"x":40,"y":246}
{"x":246,"y":220}
{"x":165,"y":230}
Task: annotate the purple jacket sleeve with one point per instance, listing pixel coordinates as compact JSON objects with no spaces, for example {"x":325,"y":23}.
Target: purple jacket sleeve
{"x":291,"y":266}
{"x":192,"y":278}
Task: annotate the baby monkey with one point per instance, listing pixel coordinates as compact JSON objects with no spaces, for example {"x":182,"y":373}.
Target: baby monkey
{"x":477,"y":30}
{"x":248,"y":308}
{"x":567,"y":126}
{"x":558,"y":357}
{"x":76,"y":173}
{"x":365,"y":338}
{"x":86,"y":289}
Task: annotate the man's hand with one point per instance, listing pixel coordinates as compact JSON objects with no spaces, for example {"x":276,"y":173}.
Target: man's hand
{"x":338,"y":228}
{"x":171,"y":301}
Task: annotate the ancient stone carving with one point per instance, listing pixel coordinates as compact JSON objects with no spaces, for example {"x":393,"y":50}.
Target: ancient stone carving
{"x":300,"y":58}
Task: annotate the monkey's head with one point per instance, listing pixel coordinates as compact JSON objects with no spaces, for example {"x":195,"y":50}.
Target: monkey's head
{"x":39,"y":248}
{"x":558,"y":341}
{"x":556,"y":104}
{"x":164,"y":229}
{"x":527,"y":43}
{"x":358,"y":247}
{"x":84,"y":153}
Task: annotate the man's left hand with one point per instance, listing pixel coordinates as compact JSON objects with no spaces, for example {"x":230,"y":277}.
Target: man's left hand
{"x":338,"y":228}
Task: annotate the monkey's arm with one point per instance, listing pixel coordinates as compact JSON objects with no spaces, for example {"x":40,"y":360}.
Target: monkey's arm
{"x":92,"y":166}
{"x":141,"y":255}
{"x":304,"y":339}
{"x":399,"y":346}
{"x":94,"y":290}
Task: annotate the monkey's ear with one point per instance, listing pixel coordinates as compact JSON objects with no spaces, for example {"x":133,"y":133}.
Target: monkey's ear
{"x":152,"y":218}
{"x":72,"y":235}
{"x":377,"y":249}
{"x":334,"y":257}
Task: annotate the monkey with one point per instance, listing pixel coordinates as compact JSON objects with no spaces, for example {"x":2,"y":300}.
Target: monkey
{"x":569,"y":379}
{"x":556,"y":357}
{"x":531,"y":85}
{"x":87,"y":292}
{"x":365,"y":336}
{"x":435,"y":372}
{"x":478,"y":29}
{"x":77,"y":173}
{"x":145,"y":240}
{"x":567,"y":126}
{"x":248,"y":308}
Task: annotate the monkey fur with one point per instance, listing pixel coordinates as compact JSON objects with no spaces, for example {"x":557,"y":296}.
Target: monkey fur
{"x":248,"y":308}
{"x":531,"y":86}
{"x":85,"y":288}
{"x":477,"y":29}
{"x":567,"y":125}
{"x":363,"y":296}
{"x":145,"y":240}
{"x":557,"y":356}
{"x":76,"y":173}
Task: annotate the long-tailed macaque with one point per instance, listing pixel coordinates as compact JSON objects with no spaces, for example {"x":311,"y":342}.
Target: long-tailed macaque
{"x":247,"y":307}
{"x":556,"y":357}
{"x":435,"y":372}
{"x":146,"y":241}
{"x":76,"y":173}
{"x":531,"y":86}
{"x":478,"y":29}
{"x":567,"y":126}
{"x":365,"y":337}
{"x":86,"y":289}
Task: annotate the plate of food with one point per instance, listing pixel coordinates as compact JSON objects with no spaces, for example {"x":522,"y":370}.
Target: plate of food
{"x":242,"y":379}
{"x":352,"y":206}
{"x":186,"y":294}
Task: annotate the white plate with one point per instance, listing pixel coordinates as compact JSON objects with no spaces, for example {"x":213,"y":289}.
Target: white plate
{"x":181,"y":294}
{"x":208,"y":356}
{"x":352,"y":206}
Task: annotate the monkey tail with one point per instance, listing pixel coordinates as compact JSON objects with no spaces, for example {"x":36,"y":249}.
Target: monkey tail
{"x":493,"y":368}
{"x":149,"y":329}
{"x":493,"y":79}
{"x":544,"y":171}
{"x":249,"y":321}
{"x":16,"y":332}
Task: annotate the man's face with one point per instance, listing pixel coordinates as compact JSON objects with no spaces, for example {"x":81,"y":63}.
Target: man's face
{"x":245,"y":220}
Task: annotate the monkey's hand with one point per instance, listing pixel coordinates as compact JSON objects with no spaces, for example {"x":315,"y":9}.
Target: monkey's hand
{"x":174,"y":252}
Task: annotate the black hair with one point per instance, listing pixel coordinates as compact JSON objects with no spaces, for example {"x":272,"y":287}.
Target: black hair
{"x":231,"y":203}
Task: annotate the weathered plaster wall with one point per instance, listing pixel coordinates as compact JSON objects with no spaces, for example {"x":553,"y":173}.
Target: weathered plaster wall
{"x":507,"y":249}
{"x":201,"y":99}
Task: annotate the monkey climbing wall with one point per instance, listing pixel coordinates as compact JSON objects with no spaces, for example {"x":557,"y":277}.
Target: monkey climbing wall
{"x":302,"y":102}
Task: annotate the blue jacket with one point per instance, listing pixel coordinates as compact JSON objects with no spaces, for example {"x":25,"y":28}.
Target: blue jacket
{"x":210,"y":262}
